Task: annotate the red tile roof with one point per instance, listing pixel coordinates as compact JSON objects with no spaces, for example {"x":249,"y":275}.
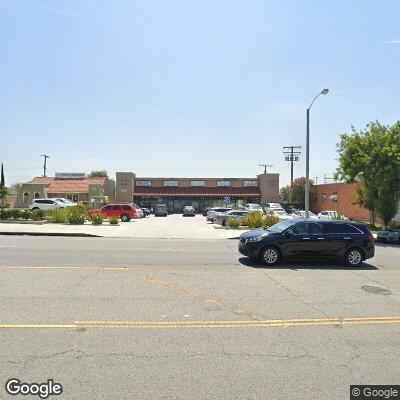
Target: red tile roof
{"x":67,"y":185}
{"x":249,"y":191}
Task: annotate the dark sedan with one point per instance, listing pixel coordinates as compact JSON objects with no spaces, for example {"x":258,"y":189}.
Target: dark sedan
{"x":348,"y":241}
{"x":160,"y":210}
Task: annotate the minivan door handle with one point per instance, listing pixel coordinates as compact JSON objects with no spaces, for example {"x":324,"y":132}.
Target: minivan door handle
{"x":347,"y":238}
{"x":306,"y":238}
{"x":321,"y":238}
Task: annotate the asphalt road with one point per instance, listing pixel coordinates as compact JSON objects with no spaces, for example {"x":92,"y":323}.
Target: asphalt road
{"x":192,"y":319}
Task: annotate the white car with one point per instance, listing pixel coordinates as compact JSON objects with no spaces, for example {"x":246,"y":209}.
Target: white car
{"x":302,"y":214}
{"x":269,"y":207}
{"x":212,"y":212}
{"x":45,"y":204}
{"x":281,"y":213}
{"x":329,"y":215}
{"x":254,"y":207}
{"x":66,"y":202}
{"x":139,"y":211}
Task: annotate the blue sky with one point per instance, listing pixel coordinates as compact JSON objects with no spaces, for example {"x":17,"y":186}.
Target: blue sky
{"x":190,"y":87}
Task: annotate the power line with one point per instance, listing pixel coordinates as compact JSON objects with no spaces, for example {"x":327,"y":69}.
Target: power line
{"x":292,"y":154}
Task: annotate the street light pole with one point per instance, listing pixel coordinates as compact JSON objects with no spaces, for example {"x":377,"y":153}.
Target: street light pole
{"x":307,"y":184}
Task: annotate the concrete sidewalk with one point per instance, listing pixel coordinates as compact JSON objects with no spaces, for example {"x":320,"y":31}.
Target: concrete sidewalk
{"x":174,"y":226}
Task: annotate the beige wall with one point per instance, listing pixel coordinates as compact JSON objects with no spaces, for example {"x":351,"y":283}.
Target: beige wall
{"x":269,"y":187}
{"x":125,"y":186}
{"x":31,"y":189}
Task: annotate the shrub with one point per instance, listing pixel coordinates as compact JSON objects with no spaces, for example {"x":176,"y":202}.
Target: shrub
{"x":57,"y":216}
{"x":113,"y":220}
{"x":234,"y":222}
{"x":26,"y":215}
{"x":76,"y":214}
{"x":16,"y":213}
{"x":5,"y":214}
{"x":96,"y":218}
{"x":37,"y":215}
{"x":253,"y":220}
{"x":269,"y":220}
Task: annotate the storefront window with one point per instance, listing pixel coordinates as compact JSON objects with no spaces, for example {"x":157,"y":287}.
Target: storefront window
{"x":197,"y":183}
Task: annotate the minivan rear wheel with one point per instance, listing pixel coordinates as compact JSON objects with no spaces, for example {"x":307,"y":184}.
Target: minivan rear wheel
{"x":270,"y":255}
{"x":354,"y":258}
{"x":125,"y":218}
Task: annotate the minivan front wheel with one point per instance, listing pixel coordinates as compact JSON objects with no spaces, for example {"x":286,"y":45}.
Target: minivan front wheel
{"x":354,"y":258}
{"x":270,"y":255}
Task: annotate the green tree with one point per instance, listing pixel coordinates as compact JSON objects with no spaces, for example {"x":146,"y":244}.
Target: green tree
{"x":284,"y":194}
{"x":4,"y":192}
{"x":99,"y":174}
{"x":298,"y":190}
{"x":372,"y":157}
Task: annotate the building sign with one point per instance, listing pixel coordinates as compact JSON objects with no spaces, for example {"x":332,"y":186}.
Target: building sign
{"x":223,"y":183}
{"x":250,"y":183}
{"x":143,"y":183}
{"x":70,"y":175}
{"x":171,"y":183}
{"x":197,"y":183}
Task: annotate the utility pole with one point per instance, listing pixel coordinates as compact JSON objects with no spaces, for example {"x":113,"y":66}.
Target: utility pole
{"x":292,"y":154}
{"x":265,"y":167}
{"x":45,"y":156}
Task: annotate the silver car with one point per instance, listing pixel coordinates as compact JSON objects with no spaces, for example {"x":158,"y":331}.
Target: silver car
{"x":212,"y":212}
{"x":222,"y":218}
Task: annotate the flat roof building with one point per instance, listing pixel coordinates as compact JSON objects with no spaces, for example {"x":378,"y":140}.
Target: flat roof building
{"x":198,"y":192}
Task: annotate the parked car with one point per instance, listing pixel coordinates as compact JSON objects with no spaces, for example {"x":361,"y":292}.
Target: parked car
{"x":394,"y":236}
{"x":188,"y":211}
{"x":212,"y":212}
{"x":349,"y":241}
{"x":221,"y":219}
{"x":281,"y":214}
{"x":160,"y":210}
{"x":66,"y":202}
{"x":139,"y":211}
{"x":45,"y":204}
{"x":329,"y":215}
{"x":302,"y":214}
{"x":146,"y":211}
{"x":382,"y":235}
{"x":254,"y":207}
{"x":125,"y":212}
{"x":272,"y":206}
{"x":389,"y":236}
{"x":205,"y":211}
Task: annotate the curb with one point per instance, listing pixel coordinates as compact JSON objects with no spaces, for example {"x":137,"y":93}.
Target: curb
{"x":48,"y":234}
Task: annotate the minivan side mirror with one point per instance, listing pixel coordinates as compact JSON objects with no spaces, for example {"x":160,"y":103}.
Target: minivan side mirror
{"x":288,"y":233}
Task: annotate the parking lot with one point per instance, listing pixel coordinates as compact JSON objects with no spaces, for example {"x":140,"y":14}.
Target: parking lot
{"x":192,"y":319}
{"x":174,"y":226}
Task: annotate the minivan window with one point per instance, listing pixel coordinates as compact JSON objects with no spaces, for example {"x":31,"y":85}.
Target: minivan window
{"x":340,"y":228}
{"x":126,"y":208}
{"x":116,"y":207}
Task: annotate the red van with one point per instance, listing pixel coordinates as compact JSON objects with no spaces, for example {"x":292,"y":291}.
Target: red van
{"x":125,"y":212}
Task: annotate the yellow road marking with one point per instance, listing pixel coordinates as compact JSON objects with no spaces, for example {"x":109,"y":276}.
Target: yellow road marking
{"x":208,"y":324}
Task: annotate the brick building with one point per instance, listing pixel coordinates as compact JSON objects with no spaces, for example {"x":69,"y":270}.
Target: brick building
{"x":339,"y":197}
{"x":198,"y":192}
